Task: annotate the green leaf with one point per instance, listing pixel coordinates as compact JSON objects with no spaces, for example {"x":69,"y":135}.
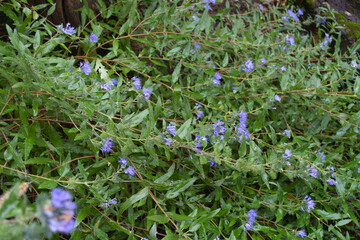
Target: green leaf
{"x":82,"y":214}
{"x":178,"y":217}
{"x":180,"y":187}
{"x":343,"y":222}
{"x":83,"y":134}
{"x":357,"y":84}
{"x":176,"y":73}
{"x":184,"y":129}
{"x":101,"y":234}
{"x":38,"y":160}
{"x":166,"y":176}
{"x":138,"y":118}
{"x":158,"y":218}
{"x":173,"y":52}
{"x":133,"y":199}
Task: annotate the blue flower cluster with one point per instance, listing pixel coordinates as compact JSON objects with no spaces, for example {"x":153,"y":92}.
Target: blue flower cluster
{"x":217,"y":78}
{"x":93,"y":37}
{"x":130,"y":171}
{"x":310,"y":204}
{"x":241,"y":128}
{"x":136,"y":82}
{"x":301,"y":234}
{"x":207,"y":4}
{"x":251,"y":220}
{"x":249,"y":65}
{"x":171,"y":129}
{"x":219,"y":129}
{"x":107,"y":145}
{"x":107,"y":204}
{"x":107,"y":86}
{"x":67,"y":29}
{"x":60,"y":213}
{"x":212,"y":163}
{"x":86,"y":67}
{"x":199,"y":113}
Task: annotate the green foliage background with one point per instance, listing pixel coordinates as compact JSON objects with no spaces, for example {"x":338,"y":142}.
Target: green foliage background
{"x":54,"y":117}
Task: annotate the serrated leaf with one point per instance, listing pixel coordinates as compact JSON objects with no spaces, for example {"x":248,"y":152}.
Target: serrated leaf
{"x":83,"y":135}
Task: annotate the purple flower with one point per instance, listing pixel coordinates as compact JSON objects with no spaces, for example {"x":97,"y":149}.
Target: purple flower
{"x":293,"y":15}
{"x":287,"y":133}
{"x":219,"y":129}
{"x":130,"y":171}
{"x":359,"y":170}
{"x":300,"y":12}
{"x":277,"y":98}
{"x":323,"y":157}
{"x":199,"y":114}
{"x":207,"y":3}
{"x":217,"y":78}
{"x":212,"y":163}
{"x":195,"y":17}
{"x":332,"y":182}
{"x":168,"y":141}
{"x":354,"y":64}
{"x":171,"y":129}
{"x":263,"y":60}
{"x":310,"y":204}
{"x":313,"y":171}
{"x":68,"y":29}
{"x":62,"y":224}
{"x":108,"y":144}
{"x":285,"y":18}
{"x":136,"y":82}
{"x":60,"y":197}
{"x":217,"y":238}
{"x":93,"y":38}
{"x":248,"y":66}
{"x":147,"y":92}
{"x":106,"y":86}
{"x":123,"y":162}
{"x":301,"y":233}
{"x":61,"y":212}
{"x":283,"y":68}
{"x":198,"y":141}
{"x":261,"y":7}
{"x":290,"y":39}
{"x":198,"y":46}
{"x":241,"y":128}
{"x":216,"y":82}
{"x":326,"y":41}
{"x":86,"y":67}
{"x":114,"y":82}
{"x":251,"y":220}
{"x":107,"y":204}
{"x":287,"y":154}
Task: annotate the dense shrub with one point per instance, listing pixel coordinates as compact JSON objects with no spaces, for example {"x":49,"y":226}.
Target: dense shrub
{"x":178,"y":120}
